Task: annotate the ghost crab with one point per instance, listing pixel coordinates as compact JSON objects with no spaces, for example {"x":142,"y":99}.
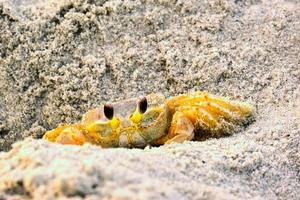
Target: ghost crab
{"x":154,"y":120}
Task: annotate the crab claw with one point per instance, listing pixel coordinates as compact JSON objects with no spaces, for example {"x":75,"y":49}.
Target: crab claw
{"x":182,"y":129}
{"x":68,"y":134}
{"x":71,"y":135}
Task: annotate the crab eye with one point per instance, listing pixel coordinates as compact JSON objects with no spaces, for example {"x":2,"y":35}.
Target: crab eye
{"x":108,"y":111}
{"x":142,"y":105}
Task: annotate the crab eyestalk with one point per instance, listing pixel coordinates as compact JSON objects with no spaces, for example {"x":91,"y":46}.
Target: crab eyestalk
{"x":109,"y":114}
{"x":142,"y":105}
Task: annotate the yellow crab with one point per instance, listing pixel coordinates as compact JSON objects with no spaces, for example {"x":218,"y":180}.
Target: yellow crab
{"x":154,"y":120}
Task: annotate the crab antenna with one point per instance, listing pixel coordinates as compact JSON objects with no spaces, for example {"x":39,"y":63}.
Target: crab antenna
{"x":108,"y":111}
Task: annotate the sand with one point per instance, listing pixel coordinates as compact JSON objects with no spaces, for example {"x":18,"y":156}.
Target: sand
{"x":61,"y":58}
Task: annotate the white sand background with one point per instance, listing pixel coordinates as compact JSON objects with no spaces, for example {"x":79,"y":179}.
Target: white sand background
{"x":61,"y":58}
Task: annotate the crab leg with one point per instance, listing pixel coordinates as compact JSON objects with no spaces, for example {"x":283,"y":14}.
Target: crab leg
{"x":204,"y":115}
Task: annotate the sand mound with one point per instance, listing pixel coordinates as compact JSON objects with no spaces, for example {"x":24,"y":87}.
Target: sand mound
{"x":61,"y":58}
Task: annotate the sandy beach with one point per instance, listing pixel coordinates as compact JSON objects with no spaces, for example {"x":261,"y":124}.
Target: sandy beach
{"x":58,"y":59}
